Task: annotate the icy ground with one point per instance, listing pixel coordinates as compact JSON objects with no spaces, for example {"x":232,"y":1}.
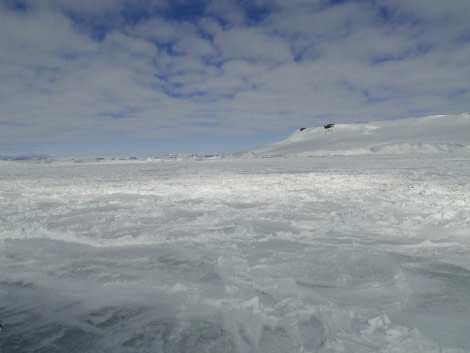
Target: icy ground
{"x":338,"y":254}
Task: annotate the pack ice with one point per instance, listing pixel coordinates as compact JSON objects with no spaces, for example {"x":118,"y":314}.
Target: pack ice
{"x":364,"y":250}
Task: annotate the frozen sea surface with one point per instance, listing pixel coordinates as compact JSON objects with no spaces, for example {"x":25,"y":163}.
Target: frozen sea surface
{"x":338,"y":254}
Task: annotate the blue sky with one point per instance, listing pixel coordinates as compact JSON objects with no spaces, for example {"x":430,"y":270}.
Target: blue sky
{"x":148,"y":77}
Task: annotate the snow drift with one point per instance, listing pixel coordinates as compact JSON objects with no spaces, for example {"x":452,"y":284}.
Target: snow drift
{"x":432,"y":134}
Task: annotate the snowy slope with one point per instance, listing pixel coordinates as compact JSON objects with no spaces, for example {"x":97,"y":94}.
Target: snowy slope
{"x":433,"y":134}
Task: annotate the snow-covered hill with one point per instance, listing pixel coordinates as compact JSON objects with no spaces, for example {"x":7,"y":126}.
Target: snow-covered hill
{"x":432,"y":134}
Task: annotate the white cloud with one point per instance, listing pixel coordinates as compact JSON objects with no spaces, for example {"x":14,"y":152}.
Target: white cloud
{"x":226,"y":10}
{"x":251,"y":44}
{"x":43,"y":33}
{"x":120,"y":42}
{"x":163,"y":31}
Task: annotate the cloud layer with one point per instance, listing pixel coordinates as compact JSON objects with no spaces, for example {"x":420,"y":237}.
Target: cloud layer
{"x":74,"y":71}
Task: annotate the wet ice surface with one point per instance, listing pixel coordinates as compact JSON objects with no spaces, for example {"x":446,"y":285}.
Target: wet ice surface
{"x":337,"y":254}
